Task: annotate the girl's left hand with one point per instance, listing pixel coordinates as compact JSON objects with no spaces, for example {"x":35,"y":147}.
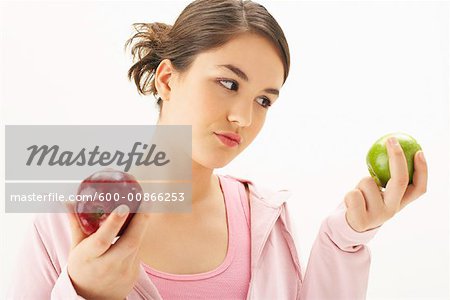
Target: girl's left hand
{"x":368,"y":207}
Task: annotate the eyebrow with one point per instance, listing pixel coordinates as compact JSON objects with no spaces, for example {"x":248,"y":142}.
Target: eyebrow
{"x":244,"y":76}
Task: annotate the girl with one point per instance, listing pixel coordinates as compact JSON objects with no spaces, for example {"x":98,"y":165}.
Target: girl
{"x":219,"y":68}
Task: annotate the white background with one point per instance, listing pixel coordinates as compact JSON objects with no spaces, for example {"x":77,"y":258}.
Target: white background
{"x":359,"y":70}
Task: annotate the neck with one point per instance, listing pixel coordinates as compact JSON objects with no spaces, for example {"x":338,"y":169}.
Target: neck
{"x":204,"y":184}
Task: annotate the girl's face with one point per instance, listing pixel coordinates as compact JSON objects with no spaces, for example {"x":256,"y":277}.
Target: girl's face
{"x":227,"y":89}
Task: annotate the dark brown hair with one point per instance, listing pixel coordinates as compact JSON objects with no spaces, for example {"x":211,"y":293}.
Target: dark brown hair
{"x":203,"y":25}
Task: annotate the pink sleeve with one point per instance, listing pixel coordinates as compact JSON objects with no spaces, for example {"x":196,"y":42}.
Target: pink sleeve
{"x":338,"y":266}
{"x":38,"y":274}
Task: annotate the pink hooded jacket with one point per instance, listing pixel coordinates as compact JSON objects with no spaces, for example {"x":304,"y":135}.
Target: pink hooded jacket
{"x":338,"y":266}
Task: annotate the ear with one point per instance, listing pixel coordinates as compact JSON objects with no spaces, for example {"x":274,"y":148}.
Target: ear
{"x":163,"y":75}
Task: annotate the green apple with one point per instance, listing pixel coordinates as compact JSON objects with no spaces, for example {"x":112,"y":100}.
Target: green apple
{"x":378,"y":160}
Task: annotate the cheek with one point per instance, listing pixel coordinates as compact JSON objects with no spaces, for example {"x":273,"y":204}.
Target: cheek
{"x":255,"y":130}
{"x":193,"y":102}
{"x":200,"y":109}
{"x":206,"y":103}
{"x":259,"y":121}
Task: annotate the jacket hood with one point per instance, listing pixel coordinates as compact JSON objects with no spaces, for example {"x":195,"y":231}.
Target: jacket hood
{"x":266,"y":207}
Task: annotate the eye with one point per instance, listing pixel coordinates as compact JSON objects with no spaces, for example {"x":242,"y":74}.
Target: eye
{"x":229,"y":84}
{"x":234,"y":86}
{"x":266,"y":103}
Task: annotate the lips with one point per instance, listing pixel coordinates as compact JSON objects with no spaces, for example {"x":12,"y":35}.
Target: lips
{"x":230,"y":135}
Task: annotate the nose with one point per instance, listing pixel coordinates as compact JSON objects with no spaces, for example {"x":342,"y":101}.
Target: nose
{"x":241,"y":112}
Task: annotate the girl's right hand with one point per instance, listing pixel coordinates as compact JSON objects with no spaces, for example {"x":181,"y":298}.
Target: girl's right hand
{"x":102,"y":270}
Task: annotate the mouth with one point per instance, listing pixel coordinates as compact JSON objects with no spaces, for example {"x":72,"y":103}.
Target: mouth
{"x":227,"y":141}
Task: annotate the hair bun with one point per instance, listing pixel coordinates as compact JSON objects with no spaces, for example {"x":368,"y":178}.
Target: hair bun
{"x":153,"y":34}
{"x":147,"y":46}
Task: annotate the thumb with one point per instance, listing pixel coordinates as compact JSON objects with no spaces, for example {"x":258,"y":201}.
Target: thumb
{"x":77,"y":234}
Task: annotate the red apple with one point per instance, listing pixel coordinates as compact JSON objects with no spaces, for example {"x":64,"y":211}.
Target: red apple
{"x":107,"y":190}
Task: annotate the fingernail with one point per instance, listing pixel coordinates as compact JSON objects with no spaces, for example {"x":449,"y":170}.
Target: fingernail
{"x":422,"y":156}
{"x":122,"y":210}
{"x":393,"y":141}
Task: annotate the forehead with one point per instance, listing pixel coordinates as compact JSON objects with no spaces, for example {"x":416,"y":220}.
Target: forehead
{"x":252,"y":53}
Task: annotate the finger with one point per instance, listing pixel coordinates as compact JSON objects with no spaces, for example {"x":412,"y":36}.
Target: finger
{"x":356,"y":209}
{"x":397,"y":184}
{"x":131,"y":240}
{"x":101,"y":240}
{"x":420,"y":180}
{"x":371,"y":193}
{"x":77,"y":234}
{"x":355,"y":200}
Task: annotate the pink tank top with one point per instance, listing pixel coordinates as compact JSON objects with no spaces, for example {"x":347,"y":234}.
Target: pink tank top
{"x":230,"y":280}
